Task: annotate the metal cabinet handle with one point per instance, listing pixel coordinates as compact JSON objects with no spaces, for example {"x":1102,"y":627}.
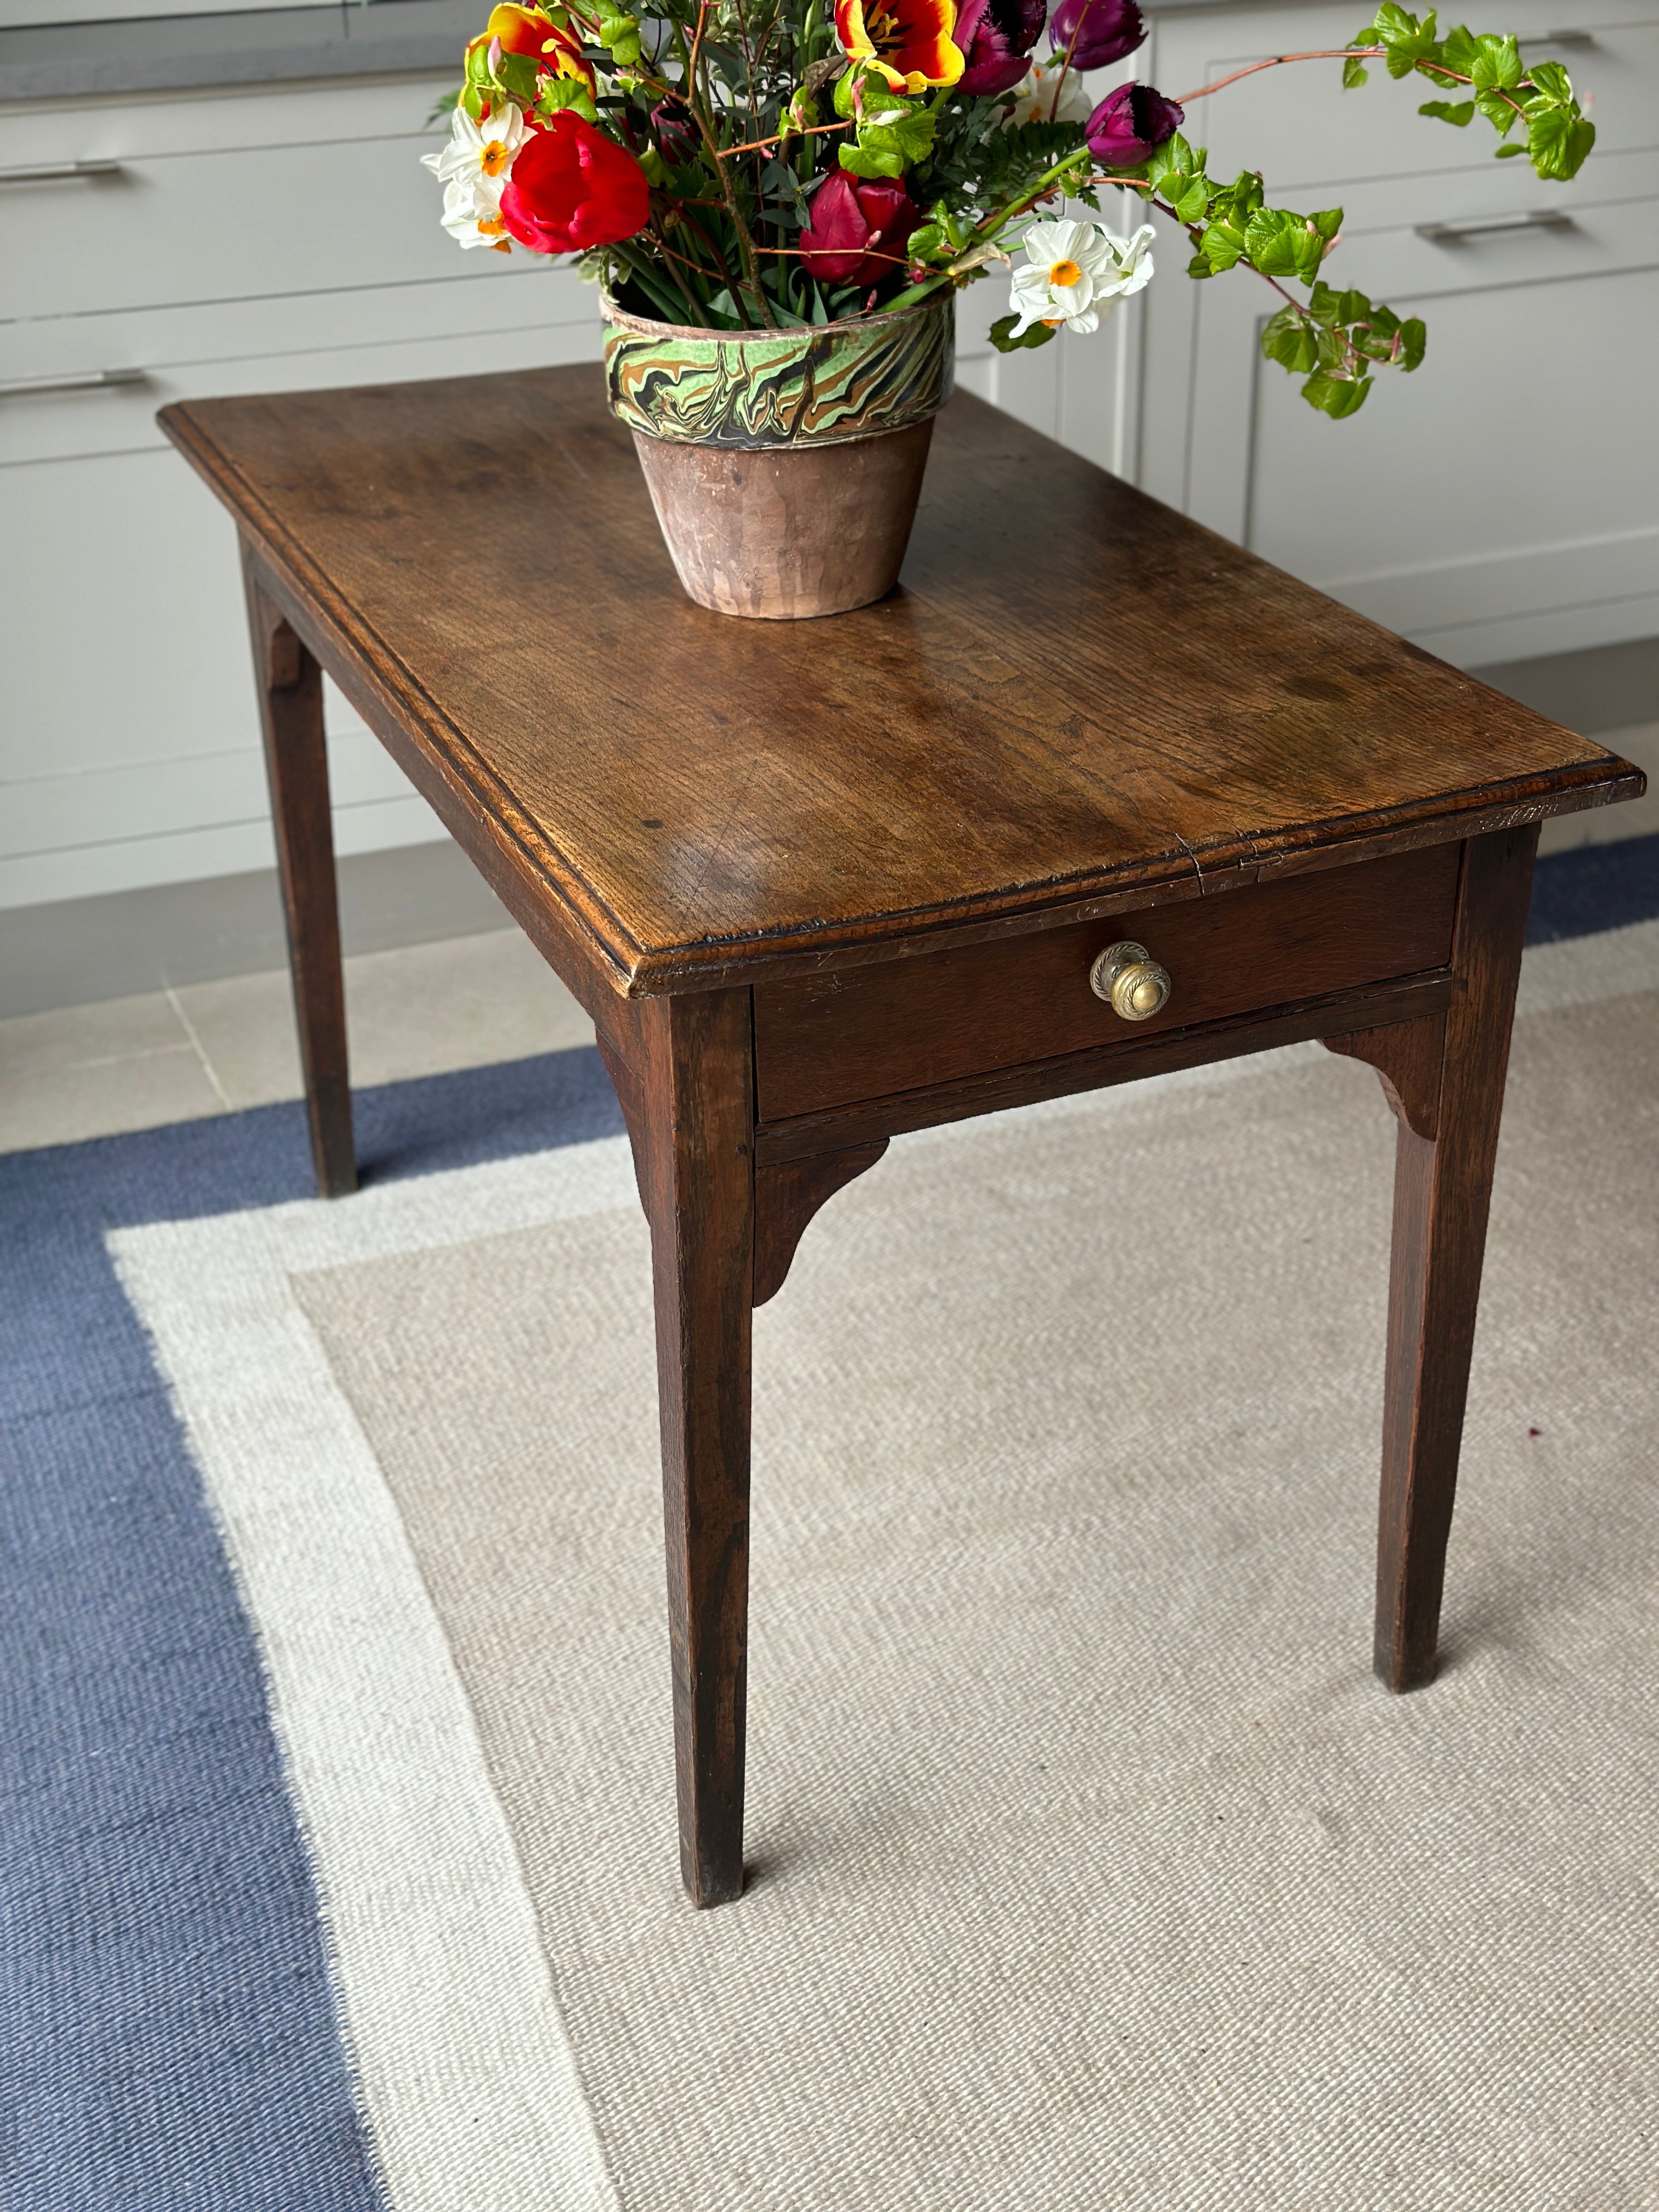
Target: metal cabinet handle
{"x":1534,"y":219}
{"x":57,"y":173}
{"x":1130,"y":980}
{"x":86,"y":379}
{"x":1558,"y":39}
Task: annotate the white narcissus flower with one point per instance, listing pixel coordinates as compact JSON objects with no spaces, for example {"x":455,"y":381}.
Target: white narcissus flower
{"x":1076,"y":273}
{"x":471,"y":217}
{"x":479,"y":154}
{"x":1034,"y":96}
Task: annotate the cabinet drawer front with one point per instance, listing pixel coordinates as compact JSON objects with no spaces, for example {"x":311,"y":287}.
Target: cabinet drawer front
{"x":934,"y":1017}
{"x":225,"y":225}
{"x":51,"y":410}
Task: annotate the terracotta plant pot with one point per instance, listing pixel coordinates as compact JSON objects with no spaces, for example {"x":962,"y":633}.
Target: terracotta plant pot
{"x":784,"y":465}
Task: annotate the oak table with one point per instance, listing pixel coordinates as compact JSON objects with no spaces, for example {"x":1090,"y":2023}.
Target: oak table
{"x":1092,"y":794}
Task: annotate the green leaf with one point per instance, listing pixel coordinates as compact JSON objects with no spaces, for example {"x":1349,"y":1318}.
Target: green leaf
{"x":1459,"y":113}
{"x":1407,"y":43}
{"x":1559,"y":141}
{"x":1500,"y":110}
{"x":1173,"y":158}
{"x":1336,"y":395}
{"x":620,"y":33}
{"x":1496,"y":64}
{"x":1460,"y":52}
{"x":1222,"y":246}
{"x":519,"y":75}
{"x":1237,"y":202}
{"x":1551,"y":79}
{"x":1354,"y":73}
{"x":1003,"y":339}
{"x":1414,"y":343}
{"x":1194,"y":201}
{"x":893,"y":135}
{"x":555,"y":94}
{"x":1288,"y":340}
{"x":1508,"y":153}
{"x":1328,"y":223}
{"x":868,"y":160}
{"x":1271,"y":242}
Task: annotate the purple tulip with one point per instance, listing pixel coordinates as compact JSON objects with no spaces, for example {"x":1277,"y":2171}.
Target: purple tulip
{"x":1128,"y":123}
{"x":1105,"y":31}
{"x":997,"y":36}
{"x":676,"y":133}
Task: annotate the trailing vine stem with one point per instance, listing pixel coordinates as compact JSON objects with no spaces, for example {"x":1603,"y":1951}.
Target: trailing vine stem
{"x":1340,"y":54}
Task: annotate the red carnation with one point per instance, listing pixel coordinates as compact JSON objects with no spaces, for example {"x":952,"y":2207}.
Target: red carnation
{"x":858,"y":231}
{"x":571,"y":187}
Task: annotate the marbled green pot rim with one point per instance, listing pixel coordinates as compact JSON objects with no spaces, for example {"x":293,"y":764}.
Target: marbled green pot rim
{"x":754,"y":390}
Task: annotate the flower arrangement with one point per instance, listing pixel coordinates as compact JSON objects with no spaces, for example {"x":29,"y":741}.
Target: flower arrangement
{"x":749,"y":164}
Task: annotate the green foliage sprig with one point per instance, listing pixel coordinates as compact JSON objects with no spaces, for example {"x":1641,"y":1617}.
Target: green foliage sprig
{"x":1559,"y":134}
{"x":1335,"y":339}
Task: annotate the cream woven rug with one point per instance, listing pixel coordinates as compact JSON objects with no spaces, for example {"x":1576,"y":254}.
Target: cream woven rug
{"x":1091,"y":1866}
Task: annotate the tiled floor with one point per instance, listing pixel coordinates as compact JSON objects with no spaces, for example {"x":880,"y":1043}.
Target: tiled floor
{"x":212,"y":1047}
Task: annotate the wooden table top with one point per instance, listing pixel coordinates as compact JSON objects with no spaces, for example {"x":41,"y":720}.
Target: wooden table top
{"x":1076,"y":700}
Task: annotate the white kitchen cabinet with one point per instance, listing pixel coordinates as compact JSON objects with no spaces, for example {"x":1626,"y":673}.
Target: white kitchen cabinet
{"x":246,"y":241}
{"x":1504,"y":501}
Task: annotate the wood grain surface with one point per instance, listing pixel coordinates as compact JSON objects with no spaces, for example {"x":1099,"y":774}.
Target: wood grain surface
{"x":1075,"y":700}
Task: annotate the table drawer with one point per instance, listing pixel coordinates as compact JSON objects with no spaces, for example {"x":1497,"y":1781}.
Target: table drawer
{"x":934,"y":1017}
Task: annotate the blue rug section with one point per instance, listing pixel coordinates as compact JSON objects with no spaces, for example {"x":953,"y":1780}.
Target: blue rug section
{"x":1594,"y":888}
{"x":166,"y":2030}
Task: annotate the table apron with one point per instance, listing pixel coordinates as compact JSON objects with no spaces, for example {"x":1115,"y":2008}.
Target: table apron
{"x":1402,"y":999}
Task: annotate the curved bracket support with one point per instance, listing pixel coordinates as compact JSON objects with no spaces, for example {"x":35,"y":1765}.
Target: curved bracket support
{"x":787,"y":1194}
{"x":630,"y":1097}
{"x":1408,"y":1057}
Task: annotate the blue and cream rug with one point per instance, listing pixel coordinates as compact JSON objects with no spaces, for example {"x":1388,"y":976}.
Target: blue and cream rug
{"x":1089,"y":1865}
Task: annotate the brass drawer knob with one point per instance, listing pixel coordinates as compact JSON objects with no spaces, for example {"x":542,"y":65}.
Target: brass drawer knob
{"x":1130,"y":980}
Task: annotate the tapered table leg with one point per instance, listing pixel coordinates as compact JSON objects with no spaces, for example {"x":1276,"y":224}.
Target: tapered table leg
{"x":697,"y":1174}
{"x":1441,"y":1189}
{"x":296,"y":765}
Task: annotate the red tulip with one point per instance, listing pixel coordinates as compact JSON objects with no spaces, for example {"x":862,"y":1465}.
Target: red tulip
{"x":572,"y":187}
{"x":858,"y":231}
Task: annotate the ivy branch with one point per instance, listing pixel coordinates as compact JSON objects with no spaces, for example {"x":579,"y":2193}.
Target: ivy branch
{"x":1335,"y":337}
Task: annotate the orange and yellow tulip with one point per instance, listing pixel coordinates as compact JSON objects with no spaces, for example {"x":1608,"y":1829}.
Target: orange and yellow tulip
{"x":531,"y":31}
{"x":910,"y":41}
